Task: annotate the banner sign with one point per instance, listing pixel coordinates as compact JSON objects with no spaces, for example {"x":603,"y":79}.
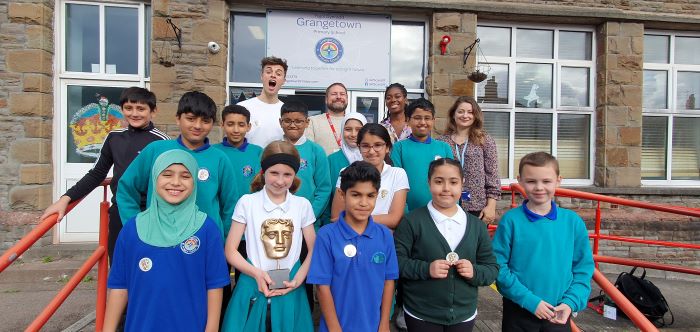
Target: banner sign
{"x":323,"y":48}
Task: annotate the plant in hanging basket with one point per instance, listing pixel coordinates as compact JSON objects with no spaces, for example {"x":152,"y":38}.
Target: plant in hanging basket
{"x":477,"y":76}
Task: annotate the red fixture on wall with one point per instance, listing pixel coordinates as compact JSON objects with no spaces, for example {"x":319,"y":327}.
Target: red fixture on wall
{"x":443,"y":44}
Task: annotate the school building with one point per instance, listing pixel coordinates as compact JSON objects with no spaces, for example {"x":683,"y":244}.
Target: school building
{"x":610,"y":87}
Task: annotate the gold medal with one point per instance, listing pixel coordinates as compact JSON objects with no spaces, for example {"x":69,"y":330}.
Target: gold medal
{"x":452,"y":257}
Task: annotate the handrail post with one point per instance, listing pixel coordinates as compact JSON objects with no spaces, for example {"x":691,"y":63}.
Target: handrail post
{"x":102,"y":265}
{"x":596,"y":239}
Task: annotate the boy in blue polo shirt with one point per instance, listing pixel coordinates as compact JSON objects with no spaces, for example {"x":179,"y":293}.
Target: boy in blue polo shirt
{"x":354,"y":260}
{"x":415,"y":153}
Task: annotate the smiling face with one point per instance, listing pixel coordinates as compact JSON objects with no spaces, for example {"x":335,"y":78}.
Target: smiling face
{"x":359,"y":201}
{"x":174,"y":184}
{"x":421,"y":123}
{"x":138,"y":115}
{"x":293,"y":124}
{"x":235,"y":127}
{"x":464,"y":116}
{"x":278,"y":179}
{"x":272,"y":77}
{"x":276,"y":235}
{"x":374,"y":150}
{"x":446,"y":186}
{"x":337,"y":99}
{"x":395,"y":101}
{"x":352,"y":127}
{"x":539,"y":183}
{"x":194,"y":129}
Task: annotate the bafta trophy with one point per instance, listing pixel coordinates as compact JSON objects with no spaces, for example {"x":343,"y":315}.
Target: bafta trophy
{"x":276,"y":236}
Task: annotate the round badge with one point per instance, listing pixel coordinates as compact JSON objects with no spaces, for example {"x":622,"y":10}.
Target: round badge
{"x":203,"y":174}
{"x":350,"y":250}
{"x":190,"y":245}
{"x":452,"y":257}
{"x":329,"y":50}
{"x":378,"y":257}
{"x":145,"y":264}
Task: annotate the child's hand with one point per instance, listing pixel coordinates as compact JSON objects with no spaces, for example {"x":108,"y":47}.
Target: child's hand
{"x":263,"y":279}
{"x":439,"y":269}
{"x":289,"y":286}
{"x":465,"y":268}
{"x":545,"y":311}
{"x":561,"y":313}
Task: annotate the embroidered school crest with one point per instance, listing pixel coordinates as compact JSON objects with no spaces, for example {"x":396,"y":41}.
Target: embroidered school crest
{"x":378,"y":257}
{"x":303,"y":164}
{"x":383,"y":193}
{"x":145,"y":264}
{"x":203,"y":174}
{"x":190,"y":245}
{"x":247,"y":170}
{"x":329,"y":50}
{"x":92,"y":123}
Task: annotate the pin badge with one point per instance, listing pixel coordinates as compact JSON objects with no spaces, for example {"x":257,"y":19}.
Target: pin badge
{"x":452,"y":257}
{"x":145,"y":264}
{"x":350,"y":250}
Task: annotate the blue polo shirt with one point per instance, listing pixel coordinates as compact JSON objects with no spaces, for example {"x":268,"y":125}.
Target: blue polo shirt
{"x":356,"y":282}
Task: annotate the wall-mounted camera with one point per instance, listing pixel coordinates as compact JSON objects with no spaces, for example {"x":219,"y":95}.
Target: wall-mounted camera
{"x":213,"y":47}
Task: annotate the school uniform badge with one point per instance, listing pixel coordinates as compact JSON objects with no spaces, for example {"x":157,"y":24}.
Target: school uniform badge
{"x":378,"y":257}
{"x":383,"y":193}
{"x":190,"y":245}
{"x":303,"y":164}
{"x":145,"y":264}
{"x":247,"y":170}
{"x":203,"y":174}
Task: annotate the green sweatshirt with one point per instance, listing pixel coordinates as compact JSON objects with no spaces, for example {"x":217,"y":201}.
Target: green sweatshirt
{"x":314,"y":175}
{"x":415,"y":157}
{"x":216,"y":190}
{"x":336,"y":162}
{"x":441,"y":301}
{"x":245,"y":161}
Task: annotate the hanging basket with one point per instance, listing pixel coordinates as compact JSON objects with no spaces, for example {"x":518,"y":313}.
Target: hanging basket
{"x":477,"y":76}
{"x":480,"y":72}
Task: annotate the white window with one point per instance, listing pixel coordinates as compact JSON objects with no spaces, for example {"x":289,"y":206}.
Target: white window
{"x":671,"y":118}
{"x":538,"y":95}
{"x":248,"y":33}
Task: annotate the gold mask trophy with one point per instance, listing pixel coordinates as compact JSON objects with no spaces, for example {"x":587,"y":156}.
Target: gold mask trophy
{"x":276,"y":236}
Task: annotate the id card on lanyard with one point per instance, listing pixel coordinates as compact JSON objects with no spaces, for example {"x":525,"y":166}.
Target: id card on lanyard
{"x":335,"y":134}
{"x":462,"y":157}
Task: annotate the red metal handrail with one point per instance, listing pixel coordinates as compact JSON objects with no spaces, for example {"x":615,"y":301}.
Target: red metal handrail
{"x":99,"y":256}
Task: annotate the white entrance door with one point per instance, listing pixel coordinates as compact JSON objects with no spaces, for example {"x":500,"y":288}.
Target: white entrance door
{"x":88,"y":111}
{"x":369,"y":103}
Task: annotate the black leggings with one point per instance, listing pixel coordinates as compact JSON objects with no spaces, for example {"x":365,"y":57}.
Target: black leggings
{"x":414,"y":324}
{"x":517,"y":319}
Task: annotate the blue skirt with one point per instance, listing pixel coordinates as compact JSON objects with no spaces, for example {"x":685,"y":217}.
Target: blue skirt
{"x":247,"y":308}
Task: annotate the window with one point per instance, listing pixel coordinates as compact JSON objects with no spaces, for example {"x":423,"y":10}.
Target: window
{"x":538,"y":96}
{"x":671,"y":115}
{"x":248,"y":45}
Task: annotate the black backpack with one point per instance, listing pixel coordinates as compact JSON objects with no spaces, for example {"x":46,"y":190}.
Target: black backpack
{"x":645,"y":296}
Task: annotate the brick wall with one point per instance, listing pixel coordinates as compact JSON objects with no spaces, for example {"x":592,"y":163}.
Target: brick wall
{"x":26,"y":112}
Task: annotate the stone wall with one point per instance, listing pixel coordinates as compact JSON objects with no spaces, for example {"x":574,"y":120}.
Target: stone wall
{"x":26,"y":113}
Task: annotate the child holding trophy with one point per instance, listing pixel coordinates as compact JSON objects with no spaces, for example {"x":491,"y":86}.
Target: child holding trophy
{"x":444,"y":254}
{"x":274,"y":222}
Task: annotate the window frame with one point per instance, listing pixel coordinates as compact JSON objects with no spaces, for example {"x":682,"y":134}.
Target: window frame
{"x":672,"y":111}
{"x":556,"y":108}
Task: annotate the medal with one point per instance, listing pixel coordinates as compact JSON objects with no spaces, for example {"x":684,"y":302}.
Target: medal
{"x":350,"y":250}
{"x":452,"y":257}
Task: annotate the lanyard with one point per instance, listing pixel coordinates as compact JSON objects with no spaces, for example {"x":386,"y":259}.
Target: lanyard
{"x":462,"y":160}
{"x":335,"y":134}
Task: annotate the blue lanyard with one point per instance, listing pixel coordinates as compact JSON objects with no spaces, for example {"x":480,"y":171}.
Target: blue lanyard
{"x":462,"y":160}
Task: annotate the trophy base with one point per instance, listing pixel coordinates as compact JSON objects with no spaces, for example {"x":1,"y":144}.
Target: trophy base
{"x":278,"y":277}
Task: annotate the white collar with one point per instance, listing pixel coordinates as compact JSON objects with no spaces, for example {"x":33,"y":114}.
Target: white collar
{"x":385,"y":168}
{"x":269,"y":205}
{"x":460,"y":217}
{"x":300,"y":141}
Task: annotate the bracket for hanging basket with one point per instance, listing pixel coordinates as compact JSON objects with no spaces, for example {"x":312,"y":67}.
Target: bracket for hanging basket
{"x":479,"y":72}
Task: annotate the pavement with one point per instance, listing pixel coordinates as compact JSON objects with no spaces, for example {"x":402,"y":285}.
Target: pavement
{"x":29,"y":284}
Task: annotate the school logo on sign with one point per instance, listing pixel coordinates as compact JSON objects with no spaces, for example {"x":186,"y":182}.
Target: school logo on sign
{"x":190,"y":245}
{"x":329,"y":50}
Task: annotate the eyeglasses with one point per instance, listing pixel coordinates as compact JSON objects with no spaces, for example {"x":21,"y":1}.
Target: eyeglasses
{"x":375,"y":147}
{"x":297,"y":123}
{"x":422,"y":118}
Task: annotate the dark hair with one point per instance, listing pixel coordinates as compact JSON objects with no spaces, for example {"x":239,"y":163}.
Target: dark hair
{"x":476,"y":131}
{"x":359,"y":171}
{"x":379,"y":131}
{"x":274,"y":61}
{"x":294,"y":106}
{"x":135,"y":94}
{"x":398,"y":86}
{"x":442,"y":162}
{"x":276,"y":147}
{"x":235,"y":109}
{"x":338,"y":84}
{"x":538,"y":159}
{"x":421,"y":103}
{"x":198,"y":104}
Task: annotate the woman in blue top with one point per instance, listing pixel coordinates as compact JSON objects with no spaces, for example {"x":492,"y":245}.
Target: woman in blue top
{"x":169,"y":259}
